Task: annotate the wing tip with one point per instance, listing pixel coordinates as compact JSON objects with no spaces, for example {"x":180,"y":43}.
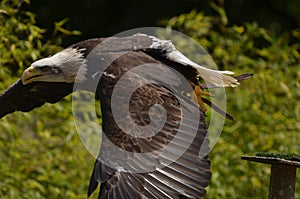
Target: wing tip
{"x":244,"y":76}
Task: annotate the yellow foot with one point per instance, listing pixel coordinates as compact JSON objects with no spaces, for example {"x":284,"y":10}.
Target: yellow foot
{"x":199,"y":92}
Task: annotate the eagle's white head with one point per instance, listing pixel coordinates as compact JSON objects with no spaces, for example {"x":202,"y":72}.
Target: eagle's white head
{"x":67,"y":66}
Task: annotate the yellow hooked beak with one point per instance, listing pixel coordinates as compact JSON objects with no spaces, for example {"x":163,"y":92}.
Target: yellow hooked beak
{"x":30,"y":74}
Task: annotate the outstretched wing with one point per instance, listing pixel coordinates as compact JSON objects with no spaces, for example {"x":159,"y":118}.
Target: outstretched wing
{"x":168,"y":176}
{"x":19,"y":97}
{"x":172,"y":162}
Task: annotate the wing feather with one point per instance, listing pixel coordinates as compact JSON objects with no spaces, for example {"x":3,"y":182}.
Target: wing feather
{"x":19,"y":97}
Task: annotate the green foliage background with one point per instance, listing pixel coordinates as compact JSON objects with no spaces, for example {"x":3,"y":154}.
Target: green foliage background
{"x":42,"y":156}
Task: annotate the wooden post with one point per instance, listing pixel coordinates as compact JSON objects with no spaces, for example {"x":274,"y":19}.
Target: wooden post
{"x":283,"y":176}
{"x":282,"y":181}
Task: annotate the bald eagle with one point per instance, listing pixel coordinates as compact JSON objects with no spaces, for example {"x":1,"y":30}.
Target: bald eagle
{"x":181,"y":170}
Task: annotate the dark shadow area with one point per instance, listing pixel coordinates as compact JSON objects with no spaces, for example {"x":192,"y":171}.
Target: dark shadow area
{"x":96,"y":18}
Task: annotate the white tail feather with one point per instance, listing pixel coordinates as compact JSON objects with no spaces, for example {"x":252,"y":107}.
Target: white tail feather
{"x":211,"y":77}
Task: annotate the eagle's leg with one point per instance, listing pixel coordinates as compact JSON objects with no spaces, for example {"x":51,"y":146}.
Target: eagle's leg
{"x":199,"y":92}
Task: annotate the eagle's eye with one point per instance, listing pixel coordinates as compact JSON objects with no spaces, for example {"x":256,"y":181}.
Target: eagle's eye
{"x":45,"y":68}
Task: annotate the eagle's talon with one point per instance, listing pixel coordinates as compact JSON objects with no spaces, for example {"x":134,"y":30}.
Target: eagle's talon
{"x":198,"y":92}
